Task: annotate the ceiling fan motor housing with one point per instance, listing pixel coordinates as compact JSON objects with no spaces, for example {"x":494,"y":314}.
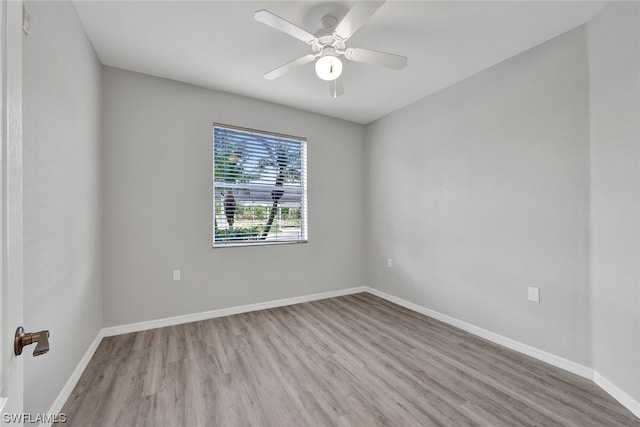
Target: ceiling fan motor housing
{"x":326,"y":38}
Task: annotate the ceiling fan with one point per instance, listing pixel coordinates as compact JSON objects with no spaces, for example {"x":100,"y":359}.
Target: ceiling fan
{"x":329,"y":43}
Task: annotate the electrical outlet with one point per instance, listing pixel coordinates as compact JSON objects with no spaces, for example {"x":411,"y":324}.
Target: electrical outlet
{"x":176,"y":274}
{"x":389,"y":262}
{"x":534,"y":294}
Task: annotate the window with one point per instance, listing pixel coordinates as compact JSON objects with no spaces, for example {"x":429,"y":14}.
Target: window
{"x":259,"y":187}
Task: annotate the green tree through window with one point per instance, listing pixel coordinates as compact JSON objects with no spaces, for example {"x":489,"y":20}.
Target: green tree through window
{"x":259,"y":181}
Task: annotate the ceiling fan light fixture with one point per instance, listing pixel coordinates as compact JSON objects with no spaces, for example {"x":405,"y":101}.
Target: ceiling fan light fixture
{"x":329,"y":43}
{"x":328,"y":67}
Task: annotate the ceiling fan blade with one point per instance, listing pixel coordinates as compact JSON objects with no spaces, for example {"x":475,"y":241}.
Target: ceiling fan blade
{"x":374,"y":57}
{"x":336,"y":87}
{"x":356,"y":17}
{"x":283,"y":25}
{"x":274,"y":74}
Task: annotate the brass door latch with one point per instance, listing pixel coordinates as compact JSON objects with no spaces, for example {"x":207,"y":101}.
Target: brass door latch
{"x":22,"y":340}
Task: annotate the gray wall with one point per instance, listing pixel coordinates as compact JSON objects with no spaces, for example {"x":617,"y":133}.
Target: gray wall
{"x":482,"y":190}
{"x":475,"y":193}
{"x":614,"y":57}
{"x":62,"y":260}
{"x":157,"y":163}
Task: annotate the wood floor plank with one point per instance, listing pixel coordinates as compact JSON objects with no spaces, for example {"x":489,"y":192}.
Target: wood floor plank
{"x":355,"y":360}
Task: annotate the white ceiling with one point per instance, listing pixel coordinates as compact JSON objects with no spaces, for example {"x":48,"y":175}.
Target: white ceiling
{"x":218,"y":45}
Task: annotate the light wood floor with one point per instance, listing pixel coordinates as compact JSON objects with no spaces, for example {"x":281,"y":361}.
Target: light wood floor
{"x":349,"y":361}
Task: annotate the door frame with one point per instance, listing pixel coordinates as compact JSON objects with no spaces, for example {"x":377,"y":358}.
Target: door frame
{"x":11,"y":250}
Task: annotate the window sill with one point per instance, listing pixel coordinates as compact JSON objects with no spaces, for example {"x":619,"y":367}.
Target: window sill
{"x":239,"y":244}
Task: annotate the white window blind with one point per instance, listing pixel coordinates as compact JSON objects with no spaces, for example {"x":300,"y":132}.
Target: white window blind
{"x":259,"y":187}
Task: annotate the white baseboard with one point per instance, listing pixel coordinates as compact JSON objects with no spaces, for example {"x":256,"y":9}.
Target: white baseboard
{"x":74,"y":378}
{"x":177,"y":320}
{"x":620,"y":395}
{"x":536,"y":353}
{"x":560,"y":362}
{"x":187,"y":318}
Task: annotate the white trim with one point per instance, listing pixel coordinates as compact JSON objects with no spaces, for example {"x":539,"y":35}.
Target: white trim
{"x":177,"y":320}
{"x":536,"y":353}
{"x":617,"y":393}
{"x":11,"y":205}
{"x":195,"y":317}
{"x":66,"y":391}
{"x":621,"y":396}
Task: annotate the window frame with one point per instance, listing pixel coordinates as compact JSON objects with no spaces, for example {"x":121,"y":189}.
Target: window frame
{"x":304,"y":230}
